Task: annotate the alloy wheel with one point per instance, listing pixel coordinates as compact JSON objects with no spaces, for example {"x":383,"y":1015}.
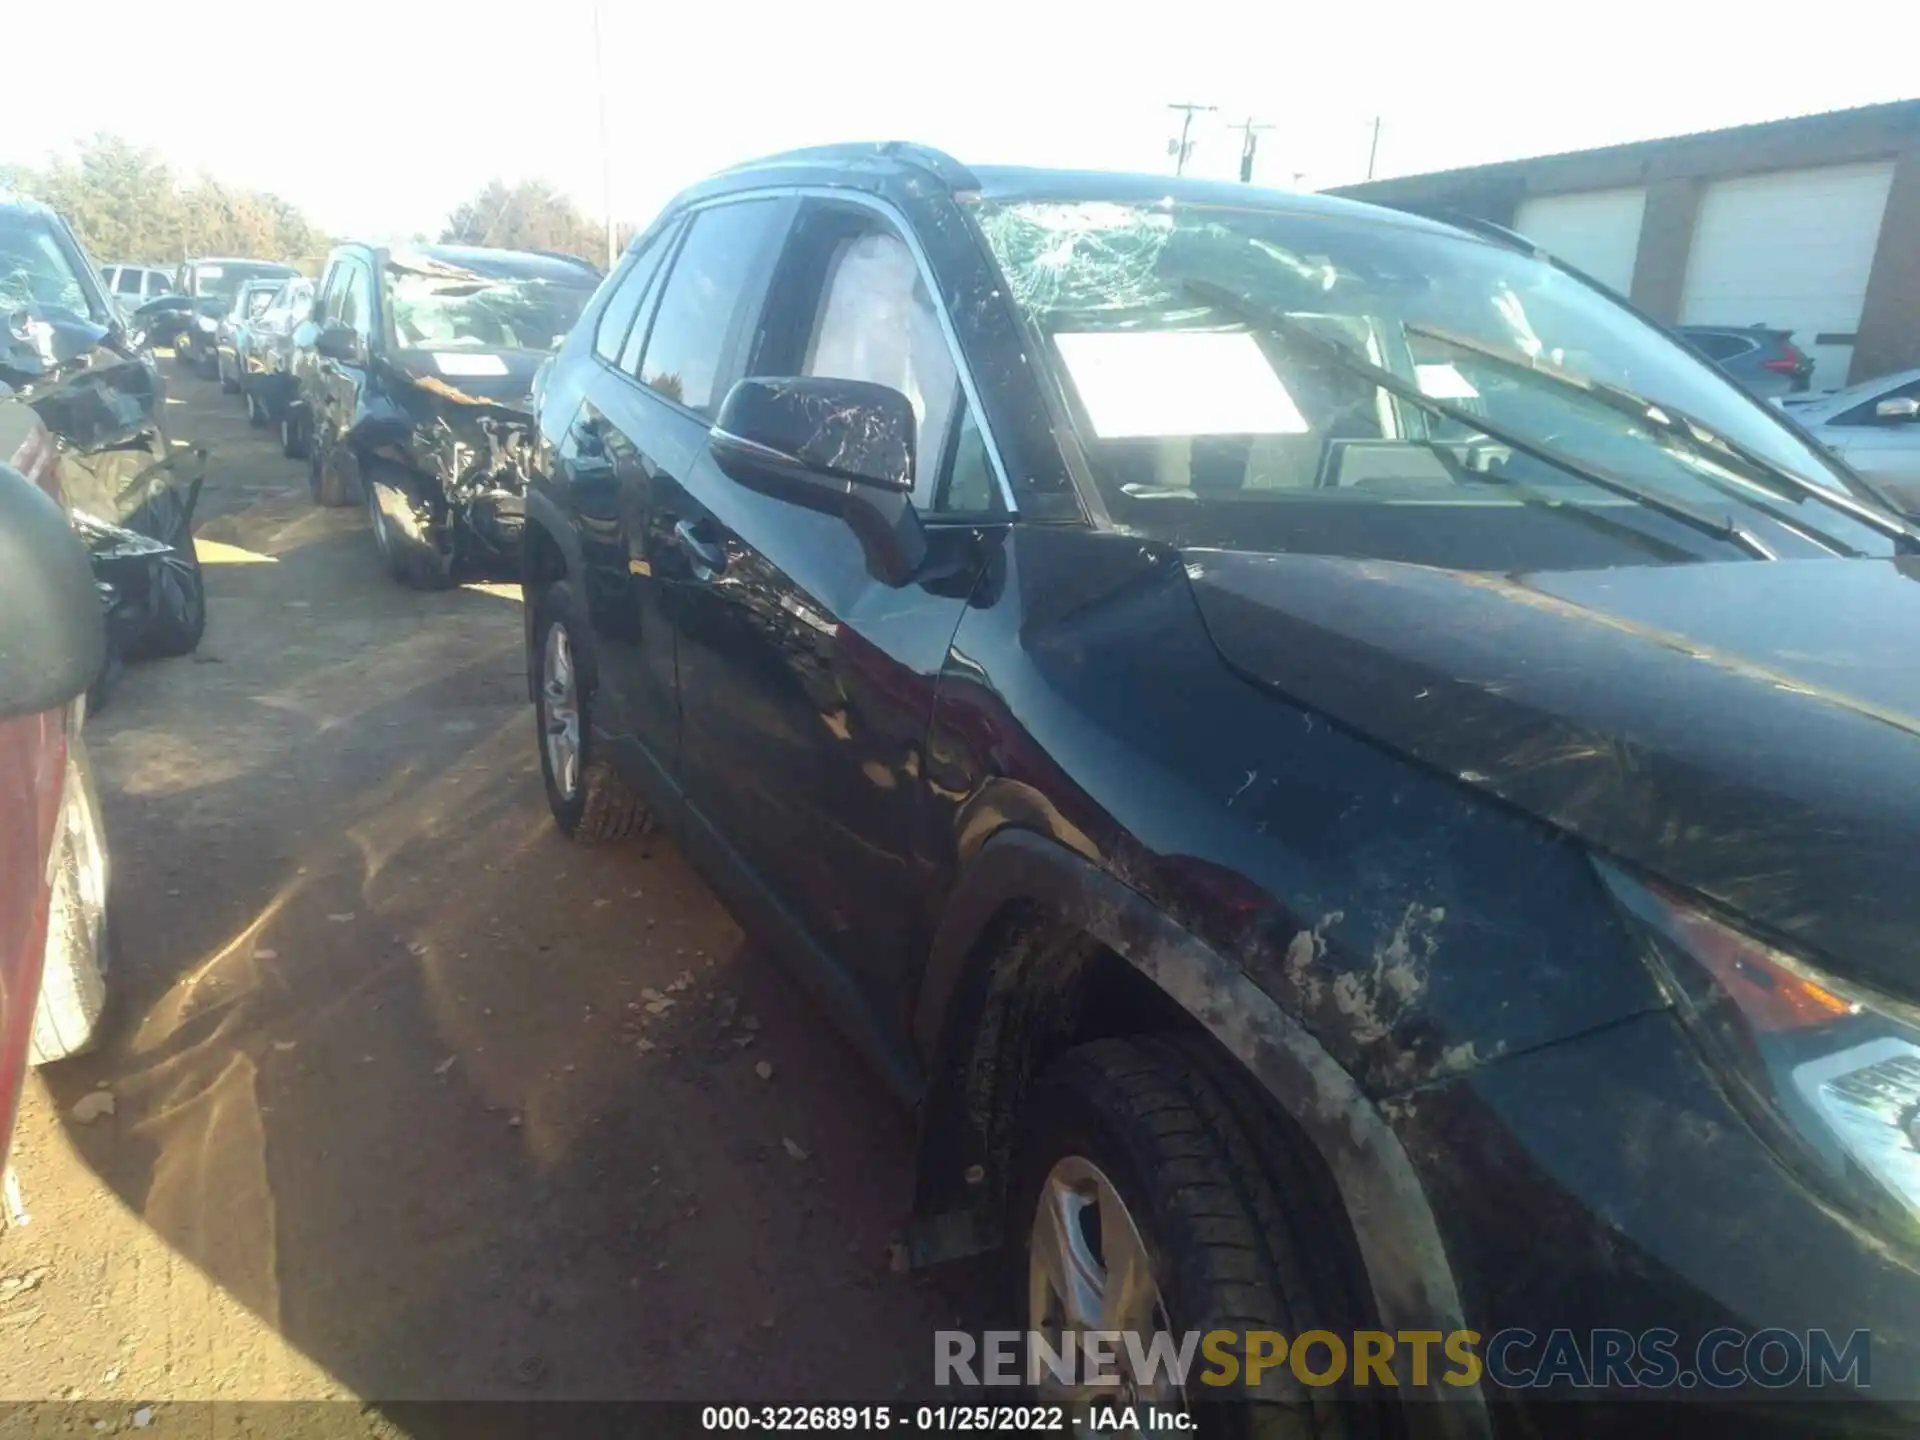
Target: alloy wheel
{"x":560,"y":711}
{"x":1089,"y":1269}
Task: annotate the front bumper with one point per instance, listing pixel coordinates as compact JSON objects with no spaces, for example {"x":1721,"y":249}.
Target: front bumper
{"x":1605,"y":1187}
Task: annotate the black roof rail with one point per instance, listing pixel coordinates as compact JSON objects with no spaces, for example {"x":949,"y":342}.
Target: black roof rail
{"x":937,"y":163}
{"x":1461,"y":220}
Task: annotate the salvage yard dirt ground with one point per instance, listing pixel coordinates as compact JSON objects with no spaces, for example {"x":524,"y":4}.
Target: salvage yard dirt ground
{"x":404,"y":1097}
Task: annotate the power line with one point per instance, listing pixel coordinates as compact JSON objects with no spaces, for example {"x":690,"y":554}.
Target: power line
{"x":1183,"y":147}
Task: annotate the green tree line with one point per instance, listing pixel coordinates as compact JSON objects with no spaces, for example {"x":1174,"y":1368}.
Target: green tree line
{"x":125,"y":204}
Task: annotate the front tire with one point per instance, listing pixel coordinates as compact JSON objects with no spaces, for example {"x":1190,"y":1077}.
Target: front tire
{"x":256,"y":411}
{"x":294,"y":443}
{"x":73,"y":981}
{"x":229,"y":382}
{"x":415,"y":562}
{"x":589,"y":799}
{"x":1153,"y":1193}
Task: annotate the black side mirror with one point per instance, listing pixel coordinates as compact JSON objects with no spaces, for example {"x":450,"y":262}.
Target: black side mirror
{"x":841,"y":447}
{"x":53,"y":630}
{"x":337,"y":342}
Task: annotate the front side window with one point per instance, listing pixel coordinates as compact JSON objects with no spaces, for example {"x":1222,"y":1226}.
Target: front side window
{"x":126,"y":281}
{"x":687,"y":341}
{"x":1341,"y":383}
{"x":878,"y":323}
{"x":356,"y":301}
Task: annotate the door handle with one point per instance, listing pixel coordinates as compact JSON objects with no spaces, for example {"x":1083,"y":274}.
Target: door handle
{"x":708,"y":558}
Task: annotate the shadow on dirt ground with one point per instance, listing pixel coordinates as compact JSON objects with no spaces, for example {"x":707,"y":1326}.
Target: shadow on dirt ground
{"x":451,"y":1108}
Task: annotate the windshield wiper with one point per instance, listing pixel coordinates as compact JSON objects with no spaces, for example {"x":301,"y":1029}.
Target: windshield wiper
{"x":1259,"y":316}
{"x":1696,"y":434}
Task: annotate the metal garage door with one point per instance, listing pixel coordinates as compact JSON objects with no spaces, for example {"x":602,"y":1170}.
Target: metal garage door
{"x":1792,"y":250}
{"x":1598,"y":232}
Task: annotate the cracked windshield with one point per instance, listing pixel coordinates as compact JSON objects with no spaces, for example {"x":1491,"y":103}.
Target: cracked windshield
{"x":858,"y":718}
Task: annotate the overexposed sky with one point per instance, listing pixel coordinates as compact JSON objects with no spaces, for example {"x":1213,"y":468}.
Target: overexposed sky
{"x":379,"y":116}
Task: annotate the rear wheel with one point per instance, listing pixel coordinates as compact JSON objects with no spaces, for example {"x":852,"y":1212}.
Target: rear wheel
{"x":73,"y":983}
{"x":589,"y":798}
{"x":325,"y":459}
{"x":1152,"y":1194}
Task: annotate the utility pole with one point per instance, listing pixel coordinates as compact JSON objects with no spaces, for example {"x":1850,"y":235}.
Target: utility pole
{"x":1373,"y":150}
{"x":1183,"y":147}
{"x":606,"y":158}
{"x":1249,"y":141}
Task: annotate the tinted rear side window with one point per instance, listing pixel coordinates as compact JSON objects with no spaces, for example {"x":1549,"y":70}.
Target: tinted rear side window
{"x":631,"y":288}
{"x":701,"y":299}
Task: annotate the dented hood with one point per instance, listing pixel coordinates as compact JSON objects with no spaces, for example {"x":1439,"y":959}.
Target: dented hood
{"x":1748,"y":730}
{"x":471,"y":375}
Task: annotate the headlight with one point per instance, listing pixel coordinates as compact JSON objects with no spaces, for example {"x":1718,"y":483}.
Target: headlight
{"x":1828,"y":1071}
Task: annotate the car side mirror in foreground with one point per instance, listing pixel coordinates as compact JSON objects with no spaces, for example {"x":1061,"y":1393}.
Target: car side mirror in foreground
{"x":1901,"y":407}
{"x":841,"y":447}
{"x":53,"y":629}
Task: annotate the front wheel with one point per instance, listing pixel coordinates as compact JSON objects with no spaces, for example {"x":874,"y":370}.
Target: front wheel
{"x":73,"y":981}
{"x":293,"y":435}
{"x":229,"y":378}
{"x":256,"y":411}
{"x":1153,"y":1195}
{"x":407,"y":548}
{"x":590,"y":800}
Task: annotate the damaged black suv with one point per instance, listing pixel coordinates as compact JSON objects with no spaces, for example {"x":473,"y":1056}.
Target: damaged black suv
{"x":1356,"y":784}
{"x":411,"y":384}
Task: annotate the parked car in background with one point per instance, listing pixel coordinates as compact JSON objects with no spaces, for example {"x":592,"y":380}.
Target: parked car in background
{"x":229,"y":337}
{"x":415,"y":377}
{"x":1336,"y":821}
{"x":134,"y":285}
{"x":53,"y":853}
{"x":266,"y":376}
{"x":1763,"y":360}
{"x":68,"y":355}
{"x":1875,"y":427}
{"x":209,"y":285}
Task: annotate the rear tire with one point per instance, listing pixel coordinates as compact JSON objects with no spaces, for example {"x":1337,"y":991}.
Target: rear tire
{"x":324,"y":480}
{"x":73,"y":983}
{"x":590,"y":800}
{"x":1239,"y":1233}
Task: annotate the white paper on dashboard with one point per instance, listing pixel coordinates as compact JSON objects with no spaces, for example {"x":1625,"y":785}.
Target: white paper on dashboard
{"x":1136,"y":383}
{"x":449,"y":363}
{"x":1442,"y":381}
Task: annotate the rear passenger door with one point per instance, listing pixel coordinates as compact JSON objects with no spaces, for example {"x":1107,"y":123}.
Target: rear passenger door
{"x":805,"y":684}
{"x":641,"y":423}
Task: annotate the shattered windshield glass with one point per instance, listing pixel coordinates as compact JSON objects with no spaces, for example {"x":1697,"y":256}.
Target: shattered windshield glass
{"x":1318,"y":380}
{"x":35,"y":273}
{"x":441,"y":309}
